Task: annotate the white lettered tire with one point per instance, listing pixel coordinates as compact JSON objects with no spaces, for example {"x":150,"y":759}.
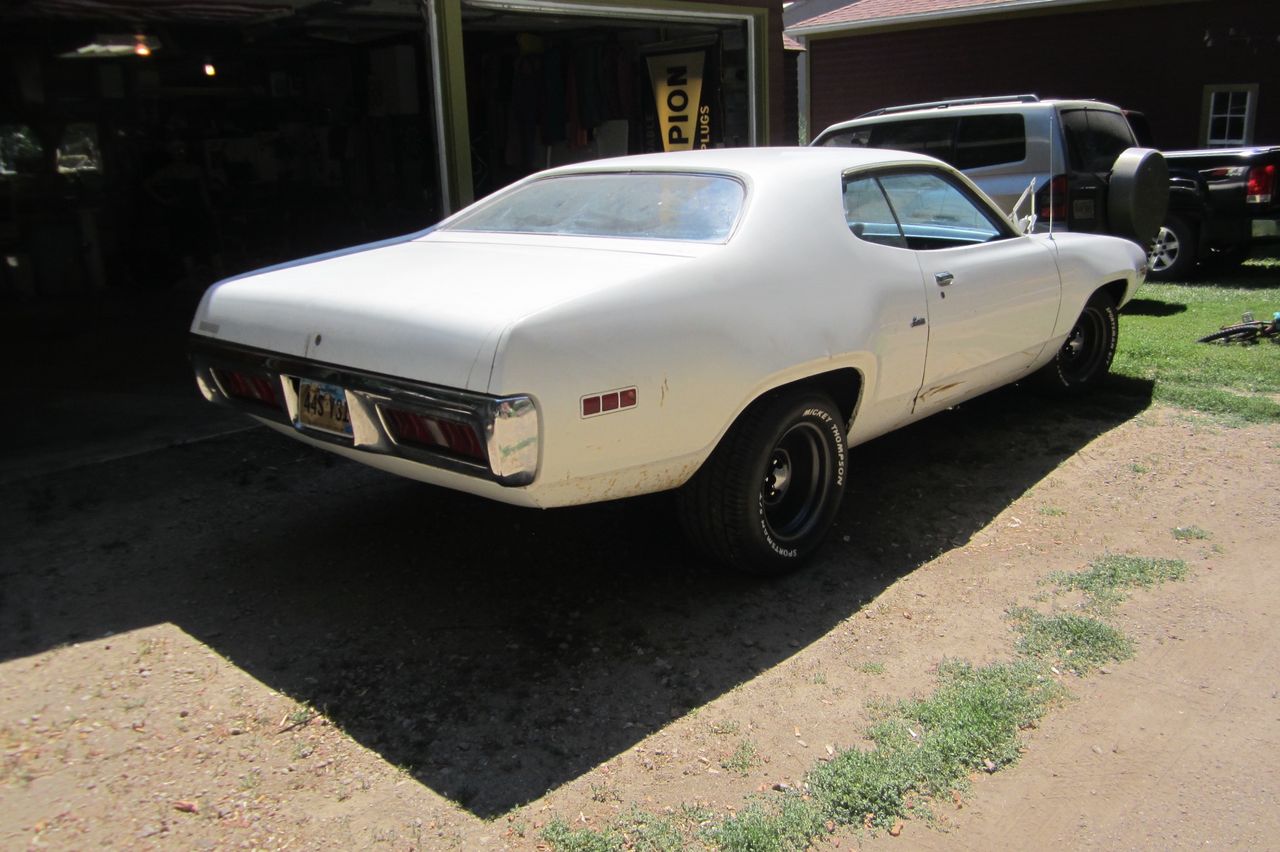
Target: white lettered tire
{"x":765,"y":499}
{"x":1084,"y":360}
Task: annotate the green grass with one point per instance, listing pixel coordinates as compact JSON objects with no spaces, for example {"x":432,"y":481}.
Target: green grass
{"x":1076,"y":642}
{"x":1106,"y":577}
{"x":929,"y":746}
{"x":1158,"y":333}
{"x":1191,"y":533}
{"x":787,"y":825}
{"x":645,"y":832}
{"x":563,"y":838}
{"x":743,"y":759}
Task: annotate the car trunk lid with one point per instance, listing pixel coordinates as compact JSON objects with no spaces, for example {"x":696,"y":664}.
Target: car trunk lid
{"x":431,"y":309}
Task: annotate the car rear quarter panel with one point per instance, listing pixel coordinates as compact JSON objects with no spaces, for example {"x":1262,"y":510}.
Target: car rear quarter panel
{"x":1088,"y":262}
{"x":704,"y":340}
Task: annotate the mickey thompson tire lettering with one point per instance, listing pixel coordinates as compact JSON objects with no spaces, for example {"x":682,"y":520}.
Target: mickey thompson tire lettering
{"x":766,"y":497}
{"x":1084,"y":360}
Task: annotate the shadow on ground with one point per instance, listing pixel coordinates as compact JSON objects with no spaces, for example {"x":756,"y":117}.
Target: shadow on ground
{"x":1257,"y":269}
{"x":1153,"y":308}
{"x":494,"y":652}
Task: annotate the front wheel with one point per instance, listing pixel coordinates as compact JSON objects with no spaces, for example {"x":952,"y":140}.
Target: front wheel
{"x":1085,"y":357}
{"x":764,"y":500}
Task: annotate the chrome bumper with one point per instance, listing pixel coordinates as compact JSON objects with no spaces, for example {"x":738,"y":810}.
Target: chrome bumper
{"x":508,"y":426}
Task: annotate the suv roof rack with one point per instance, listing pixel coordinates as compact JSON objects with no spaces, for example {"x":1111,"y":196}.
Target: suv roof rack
{"x":994,"y":99}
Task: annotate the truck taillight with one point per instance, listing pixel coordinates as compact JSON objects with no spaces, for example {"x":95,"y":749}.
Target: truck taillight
{"x":1051,"y":200}
{"x":1261,"y":181}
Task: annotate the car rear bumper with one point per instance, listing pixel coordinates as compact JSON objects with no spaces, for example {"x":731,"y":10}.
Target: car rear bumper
{"x":489,"y":438}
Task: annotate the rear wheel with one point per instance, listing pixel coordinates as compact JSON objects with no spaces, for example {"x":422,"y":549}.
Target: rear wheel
{"x":764,"y":500}
{"x":1085,"y":357}
{"x":1172,"y":256}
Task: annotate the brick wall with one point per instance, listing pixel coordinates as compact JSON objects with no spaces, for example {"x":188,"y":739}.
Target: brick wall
{"x":1155,"y":59}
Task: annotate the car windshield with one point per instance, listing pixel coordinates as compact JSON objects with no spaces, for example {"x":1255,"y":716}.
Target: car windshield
{"x":644,"y":205}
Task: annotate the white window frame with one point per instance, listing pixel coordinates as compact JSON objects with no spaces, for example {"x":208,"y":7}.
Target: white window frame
{"x":1207,"y":114}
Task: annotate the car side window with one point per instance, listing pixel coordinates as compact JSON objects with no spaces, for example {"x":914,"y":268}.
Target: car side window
{"x":932,"y":136}
{"x":990,"y":140}
{"x":867,"y":213}
{"x":935,"y":213}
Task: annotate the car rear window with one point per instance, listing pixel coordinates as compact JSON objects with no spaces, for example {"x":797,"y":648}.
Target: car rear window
{"x":1095,"y":138}
{"x":656,"y":206}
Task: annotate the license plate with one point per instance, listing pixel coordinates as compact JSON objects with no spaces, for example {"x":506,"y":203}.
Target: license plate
{"x":324,"y":407}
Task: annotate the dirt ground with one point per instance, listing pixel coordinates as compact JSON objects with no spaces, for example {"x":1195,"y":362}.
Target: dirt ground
{"x":239,"y":643}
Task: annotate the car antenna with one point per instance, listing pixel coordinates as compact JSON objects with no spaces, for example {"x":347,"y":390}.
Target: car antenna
{"x":1053,"y":134}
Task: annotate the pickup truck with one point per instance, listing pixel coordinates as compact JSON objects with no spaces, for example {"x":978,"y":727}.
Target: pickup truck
{"x":1222,"y":201}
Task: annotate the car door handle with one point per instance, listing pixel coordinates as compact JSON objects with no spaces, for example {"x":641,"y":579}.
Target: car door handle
{"x":943,"y":278}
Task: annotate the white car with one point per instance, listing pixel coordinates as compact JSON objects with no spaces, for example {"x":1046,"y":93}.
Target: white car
{"x":725,"y":323}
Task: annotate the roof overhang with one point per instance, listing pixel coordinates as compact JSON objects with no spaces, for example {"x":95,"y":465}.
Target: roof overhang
{"x":935,"y":16}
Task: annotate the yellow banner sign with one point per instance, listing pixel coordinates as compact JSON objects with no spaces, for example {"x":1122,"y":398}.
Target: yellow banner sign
{"x":677,"y":93}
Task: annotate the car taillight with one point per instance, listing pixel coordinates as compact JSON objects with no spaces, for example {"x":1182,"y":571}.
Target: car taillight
{"x":412,"y":427}
{"x":1051,"y":200}
{"x":251,"y":386}
{"x":1261,"y":181}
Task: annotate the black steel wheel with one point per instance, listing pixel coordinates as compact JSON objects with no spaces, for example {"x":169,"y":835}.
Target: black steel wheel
{"x":1083,"y":361}
{"x":764,"y":500}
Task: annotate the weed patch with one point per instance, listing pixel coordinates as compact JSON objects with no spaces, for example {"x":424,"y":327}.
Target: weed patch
{"x":785,"y":826}
{"x":564,"y":838}
{"x":928,"y":746}
{"x":744,"y":758}
{"x":1106,"y":578}
{"x":1076,"y":642}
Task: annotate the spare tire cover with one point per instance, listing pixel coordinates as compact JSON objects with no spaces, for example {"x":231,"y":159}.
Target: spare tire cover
{"x":1138,"y":194}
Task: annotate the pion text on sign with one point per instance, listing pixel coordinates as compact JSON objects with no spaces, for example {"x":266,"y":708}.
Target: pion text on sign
{"x":677,"y":90}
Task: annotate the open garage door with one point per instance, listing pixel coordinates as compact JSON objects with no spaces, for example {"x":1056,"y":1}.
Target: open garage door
{"x":549,"y":83}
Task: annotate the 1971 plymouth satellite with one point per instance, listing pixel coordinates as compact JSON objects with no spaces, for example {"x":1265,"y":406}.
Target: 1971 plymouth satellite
{"x":723,"y":323}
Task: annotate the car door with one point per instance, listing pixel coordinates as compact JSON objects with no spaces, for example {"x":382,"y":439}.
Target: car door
{"x":992,"y":295}
{"x":885,"y":306}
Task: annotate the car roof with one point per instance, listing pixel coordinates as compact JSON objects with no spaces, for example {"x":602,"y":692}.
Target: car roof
{"x":765,"y":164}
{"x":1011,"y":105}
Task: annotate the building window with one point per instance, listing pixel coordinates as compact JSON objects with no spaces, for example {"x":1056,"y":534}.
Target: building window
{"x":1227,"y":115}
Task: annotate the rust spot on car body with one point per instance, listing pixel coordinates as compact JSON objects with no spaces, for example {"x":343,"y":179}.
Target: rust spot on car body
{"x":932,"y":392}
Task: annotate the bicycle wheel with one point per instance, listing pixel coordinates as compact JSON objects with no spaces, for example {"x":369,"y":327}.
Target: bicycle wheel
{"x":1243,"y":333}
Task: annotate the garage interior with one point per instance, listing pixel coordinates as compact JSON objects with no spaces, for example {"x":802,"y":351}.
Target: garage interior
{"x":149,"y":145}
